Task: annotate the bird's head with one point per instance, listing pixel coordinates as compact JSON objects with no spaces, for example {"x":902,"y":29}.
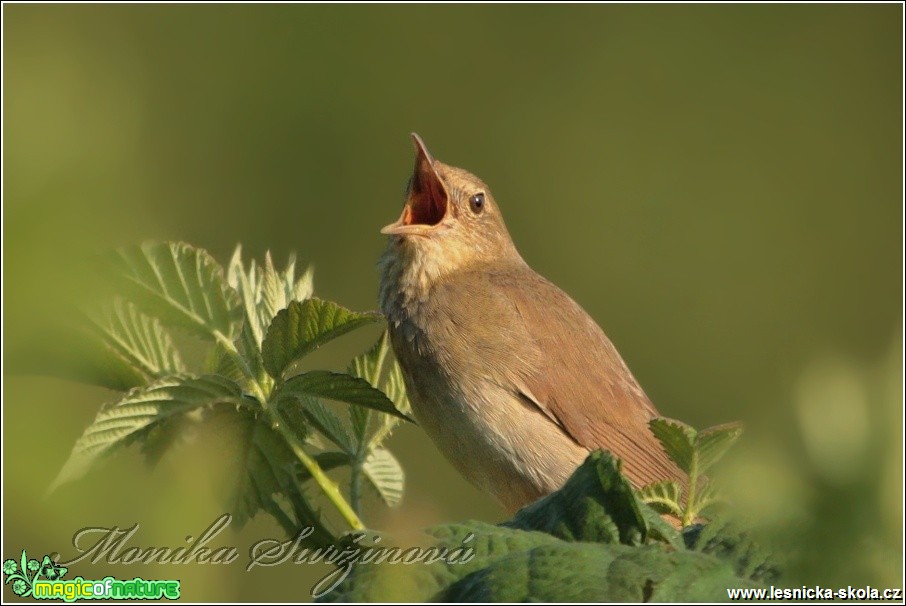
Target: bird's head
{"x":450,"y":217}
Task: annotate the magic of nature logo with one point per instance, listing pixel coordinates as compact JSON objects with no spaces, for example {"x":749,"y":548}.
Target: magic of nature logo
{"x":43,"y":580}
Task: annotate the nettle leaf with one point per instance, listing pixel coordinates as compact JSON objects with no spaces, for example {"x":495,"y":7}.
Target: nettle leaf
{"x":303,"y":327}
{"x":385,"y":474}
{"x":395,"y":388}
{"x":371,"y":367}
{"x":163,"y":436}
{"x":132,"y":417}
{"x":263,"y":473}
{"x":265,"y":291}
{"x":308,"y":410}
{"x":182,"y":285}
{"x":678,"y":440}
{"x":263,"y":465}
{"x":370,"y":364}
{"x":663,"y":497}
{"x":341,"y":387}
{"x":138,"y":339}
{"x":582,"y":543}
{"x":707,"y":497}
{"x":713,"y":443}
{"x":303,"y":287}
{"x":246,"y":284}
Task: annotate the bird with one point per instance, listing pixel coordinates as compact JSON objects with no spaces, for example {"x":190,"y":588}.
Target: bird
{"x":512,"y":380}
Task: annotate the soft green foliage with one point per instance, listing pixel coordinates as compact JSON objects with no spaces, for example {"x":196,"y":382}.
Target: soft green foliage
{"x":695,"y":452}
{"x":257,"y":322}
{"x":303,"y":327}
{"x":182,"y":285}
{"x":594,"y":540}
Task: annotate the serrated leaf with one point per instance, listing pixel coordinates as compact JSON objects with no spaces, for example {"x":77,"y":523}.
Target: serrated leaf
{"x":395,"y":388}
{"x":182,"y":285}
{"x":263,"y":472}
{"x":678,"y":440}
{"x":385,"y":474}
{"x":713,"y":443}
{"x":122,"y":422}
{"x":235,"y":269}
{"x":273,"y":291}
{"x":304,"y":285}
{"x":246,"y":284}
{"x":289,"y":277}
{"x":367,"y":366}
{"x":138,"y":339}
{"x":707,"y":497}
{"x":168,"y":433}
{"x":262,"y":465}
{"x":663,"y":497}
{"x":341,"y":387}
{"x":317,"y":415}
{"x":303,"y":327}
{"x":301,"y":288}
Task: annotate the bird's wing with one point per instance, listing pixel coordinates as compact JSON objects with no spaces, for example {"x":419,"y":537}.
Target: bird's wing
{"x":578,"y":379}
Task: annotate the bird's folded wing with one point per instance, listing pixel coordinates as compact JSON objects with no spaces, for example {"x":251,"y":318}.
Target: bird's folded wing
{"x":578,"y":379}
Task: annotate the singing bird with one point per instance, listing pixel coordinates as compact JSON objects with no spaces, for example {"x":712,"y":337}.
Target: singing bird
{"x":513,"y":381}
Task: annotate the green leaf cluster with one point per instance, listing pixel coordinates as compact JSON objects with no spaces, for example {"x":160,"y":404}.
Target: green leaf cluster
{"x":594,"y":540}
{"x":694,"y":452}
{"x":257,"y":324}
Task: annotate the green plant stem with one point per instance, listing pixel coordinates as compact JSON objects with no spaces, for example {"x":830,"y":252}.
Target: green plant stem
{"x":328,"y":486}
{"x":355,"y":486}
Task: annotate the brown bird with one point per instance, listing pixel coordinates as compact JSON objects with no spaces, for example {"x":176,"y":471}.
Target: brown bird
{"x":513,"y":381}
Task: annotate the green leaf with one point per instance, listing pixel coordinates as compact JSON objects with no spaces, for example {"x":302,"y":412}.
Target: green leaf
{"x":678,"y":440}
{"x":663,"y":497}
{"x":261,"y":464}
{"x":291,"y":404}
{"x":182,"y":285}
{"x":734,"y":544}
{"x":273,"y":289}
{"x":303,"y":327}
{"x":385,"y":474}
{"x":395,"y":388}
{"x":138,"y":339}
{"x":713,"y":443}
{"x":246,"y":284}
{"x":132,"y":417}
{"x":162,"y":437}
{"x":303,"y":287}
{"x":575,"y":545}
{"x":341,"y":387}
{"x":371,"y":367}
{"x":263,"y":473}
{"x":707,"y":497}
{"x":597,"y":503}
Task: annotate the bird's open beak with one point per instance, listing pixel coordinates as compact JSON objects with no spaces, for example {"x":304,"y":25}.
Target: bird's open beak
{"x":427,"y":203}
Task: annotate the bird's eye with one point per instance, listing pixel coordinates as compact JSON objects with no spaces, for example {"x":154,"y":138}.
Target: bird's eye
{"x":476,"y":203}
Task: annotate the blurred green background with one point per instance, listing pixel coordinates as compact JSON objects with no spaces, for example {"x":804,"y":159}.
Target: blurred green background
{"x":719,"y":186}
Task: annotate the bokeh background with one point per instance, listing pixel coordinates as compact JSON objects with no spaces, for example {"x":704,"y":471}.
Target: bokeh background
{"x":719,"y":186}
